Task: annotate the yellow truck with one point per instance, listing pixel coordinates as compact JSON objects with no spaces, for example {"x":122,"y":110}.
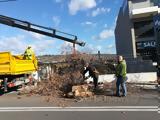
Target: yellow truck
{"x":14,"y":70}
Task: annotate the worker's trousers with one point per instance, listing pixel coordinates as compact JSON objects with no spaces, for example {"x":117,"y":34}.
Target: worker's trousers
{"x":121,"y":82}
{"x":95,"y":81}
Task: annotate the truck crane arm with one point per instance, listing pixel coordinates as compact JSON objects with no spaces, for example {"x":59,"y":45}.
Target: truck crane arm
{"x":40,"y":29}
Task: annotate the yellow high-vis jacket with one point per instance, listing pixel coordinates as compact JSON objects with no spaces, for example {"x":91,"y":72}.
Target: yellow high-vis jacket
{"x":28,"y":54}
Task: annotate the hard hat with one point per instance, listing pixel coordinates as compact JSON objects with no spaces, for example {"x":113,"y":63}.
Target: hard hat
{"x":29,"y":46}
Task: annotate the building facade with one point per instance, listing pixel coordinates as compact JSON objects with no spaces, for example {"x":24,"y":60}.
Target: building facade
{"x":135,"y":34}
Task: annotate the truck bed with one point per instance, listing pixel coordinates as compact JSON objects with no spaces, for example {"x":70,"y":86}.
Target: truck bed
{"x":15,"y":64}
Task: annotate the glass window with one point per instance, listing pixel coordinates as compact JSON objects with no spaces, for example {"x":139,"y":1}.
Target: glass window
{"x":156,"y":2}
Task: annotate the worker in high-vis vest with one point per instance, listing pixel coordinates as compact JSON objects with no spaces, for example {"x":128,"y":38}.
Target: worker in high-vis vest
{"x":28,"y":54}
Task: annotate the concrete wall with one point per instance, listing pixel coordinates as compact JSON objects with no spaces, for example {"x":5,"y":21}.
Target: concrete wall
{"x":146,"y":77}
{"x":137,"y":66}
{"x":125,"y":39}
{"x":123,"y":34}
{"x":140,"y":4}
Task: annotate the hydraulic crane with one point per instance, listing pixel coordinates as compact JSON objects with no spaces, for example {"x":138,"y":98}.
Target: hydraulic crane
{"x":17,"y":68}
{"x":25,"y":25}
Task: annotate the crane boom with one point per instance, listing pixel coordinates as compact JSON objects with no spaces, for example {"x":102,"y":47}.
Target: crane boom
{"x":40,"y":29}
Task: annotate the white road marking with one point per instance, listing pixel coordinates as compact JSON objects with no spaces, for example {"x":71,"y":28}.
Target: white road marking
{"x":103,"y":108}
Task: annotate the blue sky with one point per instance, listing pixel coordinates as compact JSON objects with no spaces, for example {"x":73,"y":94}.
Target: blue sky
{"x":93,"y":21}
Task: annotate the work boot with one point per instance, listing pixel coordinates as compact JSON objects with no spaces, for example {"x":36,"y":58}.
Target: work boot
{"x":123,"y":95}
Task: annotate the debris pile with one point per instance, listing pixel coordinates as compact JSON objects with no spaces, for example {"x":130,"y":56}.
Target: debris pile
{"x":68,"y":81}
{"x":80,"y":91}
{"x":59,"y":85}
{"x":58,"y":88}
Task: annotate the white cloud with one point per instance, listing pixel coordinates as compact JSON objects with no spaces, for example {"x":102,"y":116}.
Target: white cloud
{"x":93,"y":49}
{"x":36,"y":35}
{"x":110,"y":46}
{"x":79,"y":5}
{"x":42,"y":46}
{"x":110,"y":49}
{"x":12,"y":44}
{"x":99,"y":47}
{"x":56,"y":21}
{"x":99,"y":11}
{"x":88,"y":23}
{"x":90,"y":48}
{"x":66,"y":48}
{"x":18,"y":44}
{"x":104,"y":34}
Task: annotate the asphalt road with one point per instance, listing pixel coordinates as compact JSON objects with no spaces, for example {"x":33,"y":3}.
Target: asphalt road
{"x":79,"y":116}
{"x":24,"y":107}
{"x":147,"y":98}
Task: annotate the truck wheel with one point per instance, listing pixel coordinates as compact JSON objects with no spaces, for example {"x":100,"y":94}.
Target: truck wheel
{"x":5,"y":84}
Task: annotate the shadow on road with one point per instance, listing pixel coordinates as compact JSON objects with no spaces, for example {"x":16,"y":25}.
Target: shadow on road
{"x":13,"y":89}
